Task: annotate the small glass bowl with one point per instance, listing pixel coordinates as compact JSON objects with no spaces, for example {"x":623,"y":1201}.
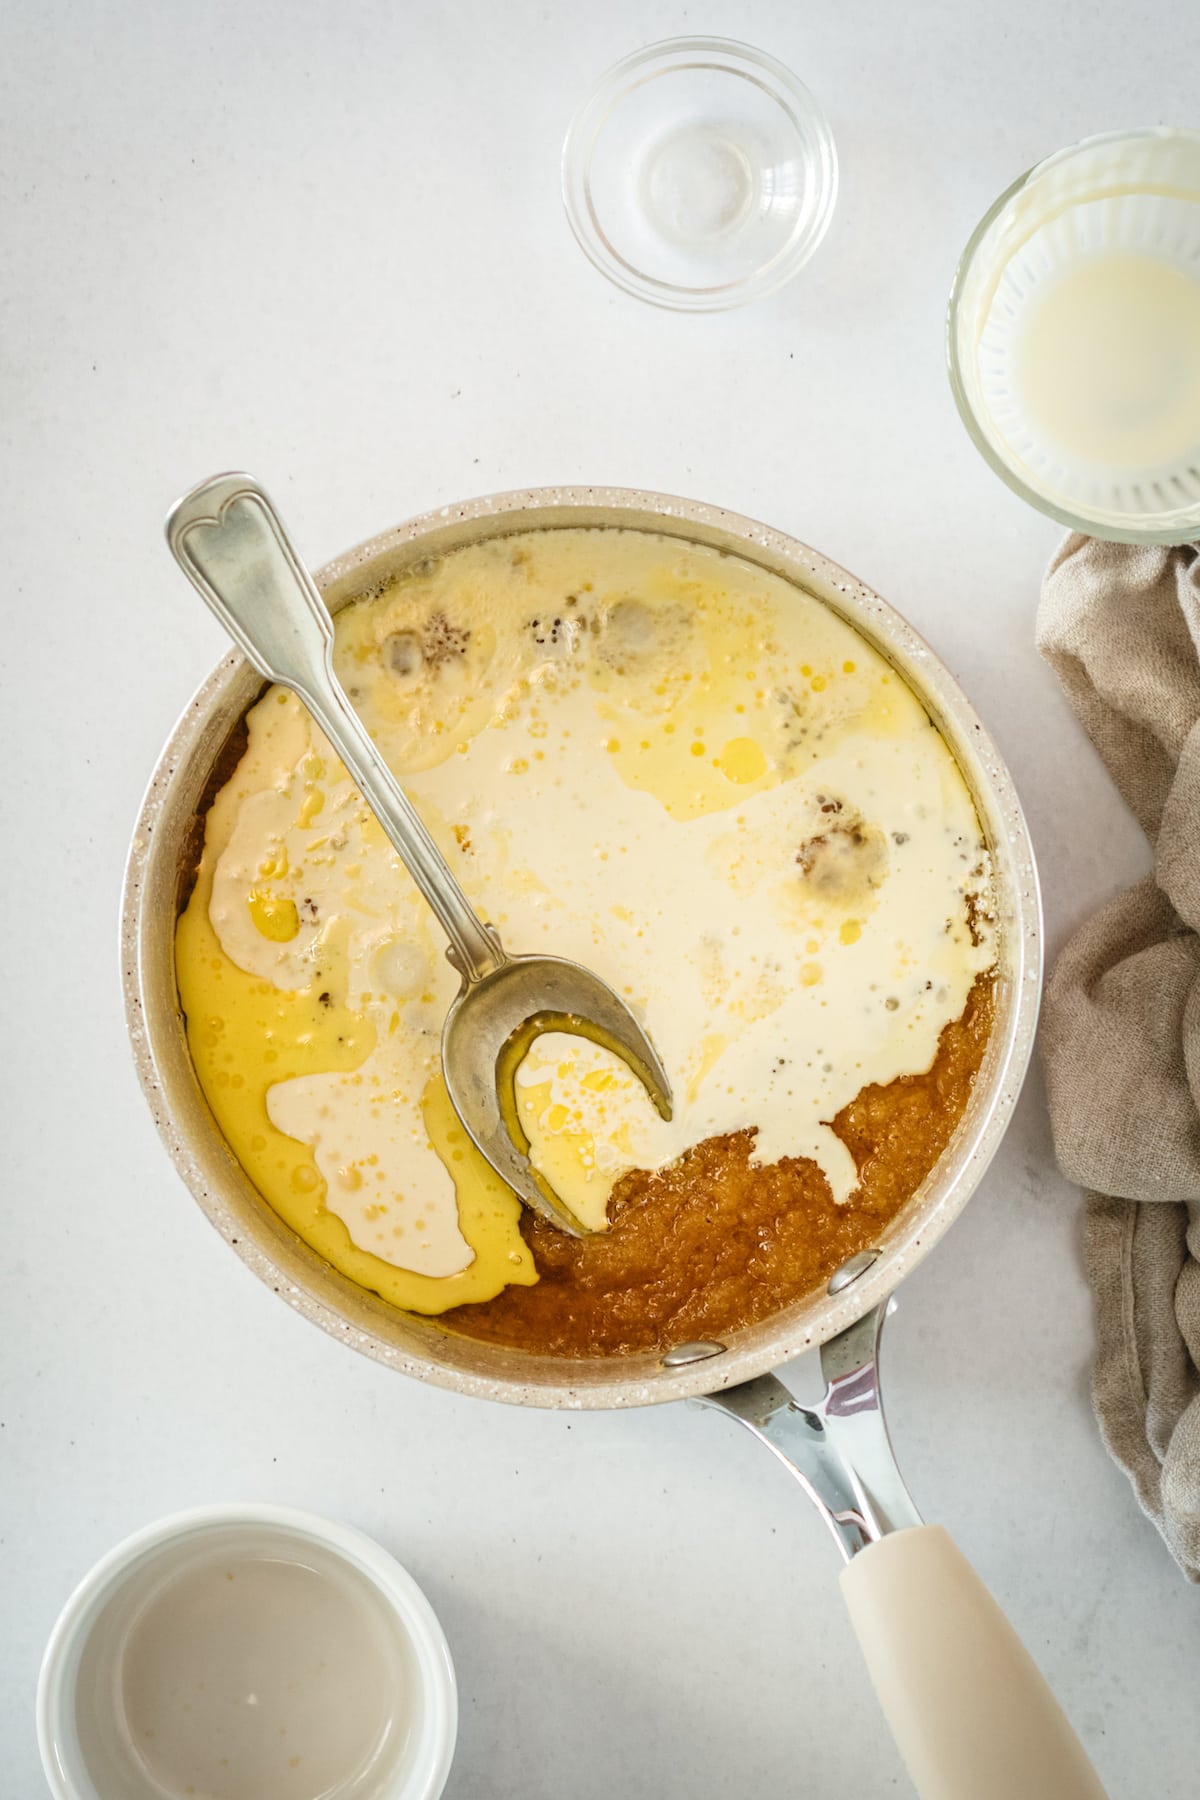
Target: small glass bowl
{"x":699,"y":174}
{"x":1123,"y":193}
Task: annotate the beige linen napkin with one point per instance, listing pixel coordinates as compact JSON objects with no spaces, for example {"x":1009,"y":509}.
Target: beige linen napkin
{"x":1121,"y":1026}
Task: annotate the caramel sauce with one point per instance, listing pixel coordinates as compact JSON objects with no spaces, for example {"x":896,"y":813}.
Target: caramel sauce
{"x":714,"y":1242}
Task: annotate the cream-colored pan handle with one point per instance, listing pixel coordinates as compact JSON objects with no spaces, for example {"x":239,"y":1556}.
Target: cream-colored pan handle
{"x":971,"y":1715}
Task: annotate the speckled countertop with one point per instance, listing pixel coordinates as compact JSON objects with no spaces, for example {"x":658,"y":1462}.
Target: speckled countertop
{"x":326,"y":244}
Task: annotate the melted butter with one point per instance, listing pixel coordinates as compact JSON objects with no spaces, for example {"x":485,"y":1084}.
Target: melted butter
{"x":274,"y":919}
{"x":256,"y":1041}
{"x":741,"y":760}
{"x":664,"y":763}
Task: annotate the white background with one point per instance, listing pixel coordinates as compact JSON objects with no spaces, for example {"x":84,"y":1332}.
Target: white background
{"x":324,"y":242}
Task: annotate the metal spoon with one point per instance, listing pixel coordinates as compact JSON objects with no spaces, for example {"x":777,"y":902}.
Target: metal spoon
{"x":230,"y":542}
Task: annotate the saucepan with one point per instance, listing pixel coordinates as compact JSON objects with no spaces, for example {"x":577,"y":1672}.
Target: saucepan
{"x":970,"y":1713}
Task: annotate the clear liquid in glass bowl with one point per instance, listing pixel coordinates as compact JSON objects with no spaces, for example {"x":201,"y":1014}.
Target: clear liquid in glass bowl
{"x":700,"y":174}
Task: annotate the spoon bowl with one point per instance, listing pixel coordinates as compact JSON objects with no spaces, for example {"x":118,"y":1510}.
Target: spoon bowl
{"x":523,"y":997}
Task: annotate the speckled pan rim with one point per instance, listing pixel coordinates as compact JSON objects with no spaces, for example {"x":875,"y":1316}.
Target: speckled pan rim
{"x":954,"y":1178}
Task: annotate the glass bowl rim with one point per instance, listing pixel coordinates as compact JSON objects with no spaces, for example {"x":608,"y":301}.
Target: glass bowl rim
{"x":597,"y":107}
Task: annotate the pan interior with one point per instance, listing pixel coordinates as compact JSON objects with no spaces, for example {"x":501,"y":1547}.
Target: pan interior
{"x":204,"y":749}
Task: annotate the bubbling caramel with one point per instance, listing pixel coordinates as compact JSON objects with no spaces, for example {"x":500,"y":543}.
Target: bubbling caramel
{"x":715,"y":1241}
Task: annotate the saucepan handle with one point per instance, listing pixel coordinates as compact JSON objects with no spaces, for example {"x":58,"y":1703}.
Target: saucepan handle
{"x":971,"y":1715}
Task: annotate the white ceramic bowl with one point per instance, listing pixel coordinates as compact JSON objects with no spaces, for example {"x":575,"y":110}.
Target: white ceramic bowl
{"x":83,"y":1734}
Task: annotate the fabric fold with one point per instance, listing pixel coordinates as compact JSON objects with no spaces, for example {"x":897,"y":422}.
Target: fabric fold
{"x":1120,"y":1038}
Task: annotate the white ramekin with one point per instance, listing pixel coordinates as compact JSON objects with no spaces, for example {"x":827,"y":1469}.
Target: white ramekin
{"x":434,"y":1729}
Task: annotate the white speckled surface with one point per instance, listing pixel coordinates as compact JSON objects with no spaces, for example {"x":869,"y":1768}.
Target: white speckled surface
{"x":326,"y":244}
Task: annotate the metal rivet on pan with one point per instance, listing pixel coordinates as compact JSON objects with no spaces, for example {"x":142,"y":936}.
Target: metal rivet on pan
{"x":683,"y":1354}
{"x":850,"y":1271}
